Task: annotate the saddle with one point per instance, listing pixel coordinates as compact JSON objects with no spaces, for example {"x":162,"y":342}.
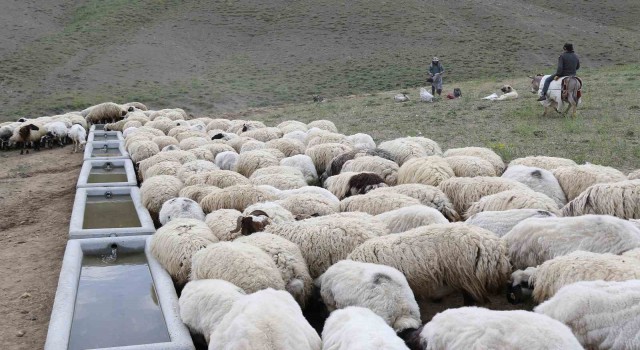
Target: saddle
{"x":565,"y":88}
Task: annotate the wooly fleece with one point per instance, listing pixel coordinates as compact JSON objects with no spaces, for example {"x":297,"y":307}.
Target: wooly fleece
{"x":223,"y":224}
{"x":620,"y":199}
{"x":480,"y":152}
{"x":537,"y":179}
{"x":289,"y":260}
{"x":164,"y":168}
{"x":197,"y":192}
{"x":386,"y":169}
{"x":174,"y":244}
{"x":349,"y":183}
{"x":469,"y":166}
{"x":326,"y":240}
{"x":514,"y":199}
{"x":401,"y":150}
{"x":248,"y":162}
{"x":218,"y":178}
{"x":323,"y":124}
{"x":479,"y":328}
{"x":407,"y":218}
{"x":361,"y":141}
{"x":358,"y":328}
{"x":237,"y":197}
{"x":602,"y":315}
{"x":159,"y":189}
{"x":536,"y":240}
{"x":425,"y":170}
{"x":180,"y":208}
{"x":244,"y":265}
{"x":427,"y":195}
{"x":575,"y":179}
{"x":377,"y":203}
{"x":176,"y":156}
{"x":288,"y":147}
{"x":195,"y":167}
{"x":305,"y":165}
{"x":501,"y":222}
{"x":464,"y":191}
{"x":306,"y":205}
{"x":227,"y":160}
{"x":547,"y":163}
{"x":442,"y":258}
{"x":382,"y":289}
{"x":292,"y":125}
{"x":204,"y":303}
{"x":322,"y":154}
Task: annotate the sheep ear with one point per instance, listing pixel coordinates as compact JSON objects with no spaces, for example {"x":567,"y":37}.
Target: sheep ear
{"x":238,"y":225}
{"x":258,"y":213}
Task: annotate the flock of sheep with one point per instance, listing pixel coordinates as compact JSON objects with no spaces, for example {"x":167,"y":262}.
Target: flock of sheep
{"x":260,"y":223}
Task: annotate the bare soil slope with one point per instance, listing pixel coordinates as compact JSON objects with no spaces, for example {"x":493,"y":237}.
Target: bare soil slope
{"x":217,"y":56}
{"x":36,"y":197}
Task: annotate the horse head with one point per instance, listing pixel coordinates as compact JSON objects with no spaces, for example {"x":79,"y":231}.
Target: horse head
{"x":535,"y":83}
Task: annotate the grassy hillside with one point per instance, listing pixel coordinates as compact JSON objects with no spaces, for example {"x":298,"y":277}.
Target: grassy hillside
{"x":605,"y":131}
{"x":219,"y":56}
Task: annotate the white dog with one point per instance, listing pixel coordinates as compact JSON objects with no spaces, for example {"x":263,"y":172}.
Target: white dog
{"x":508,"y":93}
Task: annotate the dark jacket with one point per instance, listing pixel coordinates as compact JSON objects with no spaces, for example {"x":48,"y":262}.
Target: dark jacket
{"x":433,"y":70}
{"x":568,"y":64}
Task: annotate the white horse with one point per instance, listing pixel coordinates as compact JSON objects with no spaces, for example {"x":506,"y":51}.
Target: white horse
{"x":554,"y":94}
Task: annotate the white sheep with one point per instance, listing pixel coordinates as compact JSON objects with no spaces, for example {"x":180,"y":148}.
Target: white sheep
{"x":203,"y":304}
{"x":375,"y":203}
{"x":536,"y":240}
{"x":292,"y":125}
{"x":349,"y":183}
{"x":197,"y":192}
{"x":464,"y":191}
{"x":224,"y":224}
{"x":194,"y":167}
{"x":501,"y":222}
{"x":56,"y":131}
{"x":620,"y":199}
{"x":323,"y":124}
{"x":539,"y":180}
{"x":479,"y":328}
{"x":361,"y":141}
{"x":358,"y":328}
{"x":440,"y":259}
{"x":602,"y":315}
{"x":164,"y":168}
{"x":305,"y":165}
{"x":78,"y":135}
{"x":326,"y":240}
{"x":544,"y":281}
{"x":174,"y":244}
{"x":289,"y":147}
{"x":288,"y":258}
{"x":386,"y":169}
{"x":176,"y":155}
{"x":244,"y":265}
{"x":180,"y":208}
{"x":427,"y":195}
{"x":480,"y":152}
{"x":469,"y":166}
{"x":260,"y":215}
{"x":513,"y":199}
{"x":298,"y":135}
{"x":155,"y":191}
{"x":322,"y":154}
{"x":382,"y":289}
{"x":248,"y":162}
{"x":237,"y":197}
{"x":306,"y":205}
{"x":547,"y":163}
{"x":575,"y":179}
{"x":267,"y":319}
{"x":404,"y":149}
{"x":430,"y":170}
{"x":218,"y":178}
{"x":407,"y":218}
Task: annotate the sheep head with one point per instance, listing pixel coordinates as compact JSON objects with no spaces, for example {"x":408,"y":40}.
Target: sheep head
{"x":256,"y":221}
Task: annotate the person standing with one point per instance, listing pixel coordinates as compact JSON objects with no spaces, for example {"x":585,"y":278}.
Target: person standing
{"x":435,"y":75}
{"x":568,"y":65}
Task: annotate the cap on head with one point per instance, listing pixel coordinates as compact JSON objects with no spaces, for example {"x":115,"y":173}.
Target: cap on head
{"x":568,"y":47}
{"x":435,"y":59}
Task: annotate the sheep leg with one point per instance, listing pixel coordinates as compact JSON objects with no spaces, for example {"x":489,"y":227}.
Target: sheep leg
{"x":468,"y":300}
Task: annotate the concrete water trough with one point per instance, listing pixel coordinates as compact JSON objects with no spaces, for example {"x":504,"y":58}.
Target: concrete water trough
{"x":105,"y":150}
{"x":96,"y":127}
{"x":104,"y":136}
{"x":107,"y":173}
{"x":112,"y":294}
{"x":109,"y":212}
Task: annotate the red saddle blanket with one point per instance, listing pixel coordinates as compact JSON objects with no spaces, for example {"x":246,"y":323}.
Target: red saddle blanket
{"x":565,"y":89}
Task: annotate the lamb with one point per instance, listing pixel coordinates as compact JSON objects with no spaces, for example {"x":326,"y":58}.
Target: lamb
{"x":358,"y":328}
{"x":602,"y":315}
{"x":427,"y":195}
{"x":620,"y":199}
{"x":326,"y":240}
{"x":442,"y":258}
{"x":323,"y":125}
{"x":539,"y":180}
{"x":349,"y":184}
{"x":407,"y":218}
{"x":547,"y":163}
{"x":513,"y":199}
{"x":575,"y":179}
{"x":224,"y":224}
{"x":479,"y":328}
{"x":306,"y":205}
{"x":536,"y":240}
{"x":305,"y":165}
{"x":28,"y":132}
{"x":196,"y":192}
{"x":479,"y":152}
{"x":174,"y":244}
{"x":425,"y":96}
{"x":400,"y":98}
{"x":244,"y":265}
{"x":268,"y":319}
{"x":382,"y":289}
{"x":180,"y":208}
{"x":501,"y":222}
{"x":237,"y":197}
{"x":377,"y":203}
{"x":203,"y":304}
{"x":385,"y":168}
{"x":218,"y":178}
{"x":548,"y":278}
{"x":322,"y":154}
{"x":464,"y":191}
{"x":78,"y":135}
{"x":57,"y":131}
{"x":425,"y":170}
{"x":288,"y":258}
{"x":289,"y":147}
{"x":469,"y":166}
{"x":157,"y":190}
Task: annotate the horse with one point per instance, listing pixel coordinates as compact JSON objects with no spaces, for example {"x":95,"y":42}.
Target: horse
{"x":557,"y":95}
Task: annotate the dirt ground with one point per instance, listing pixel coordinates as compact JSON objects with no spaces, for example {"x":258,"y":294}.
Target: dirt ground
{"x":36,"y":196}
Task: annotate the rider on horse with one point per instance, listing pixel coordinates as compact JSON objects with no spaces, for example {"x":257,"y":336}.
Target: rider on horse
{"x":568,"y":64}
